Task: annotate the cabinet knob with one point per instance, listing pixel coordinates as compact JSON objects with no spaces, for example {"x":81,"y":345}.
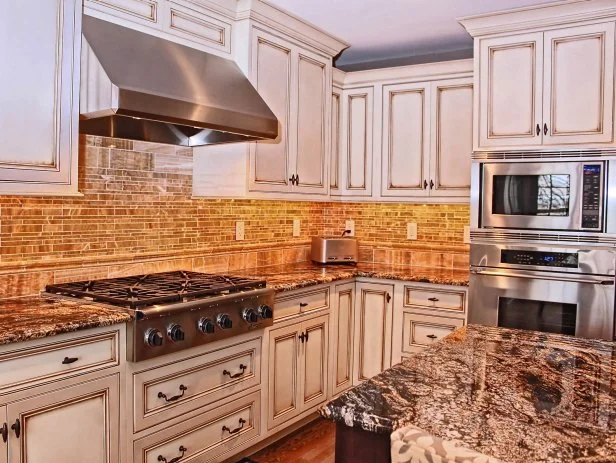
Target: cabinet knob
{"x":17,"y":428}
{"x":433,"y":299}
{"x":538,"y":130}
{"x":431,"y":184}
{"x":388,"y":297}
{"x":425,"y":184}
{"x":69,"y":360}
{"x":4,"y":431}
{"x":431,"y":336}
{"x":545,"y":129}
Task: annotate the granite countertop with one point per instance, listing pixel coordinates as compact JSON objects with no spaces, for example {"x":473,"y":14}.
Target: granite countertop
{"x":25,"y":318}
{"x":288,"y":277}
{"x":519,"y":396}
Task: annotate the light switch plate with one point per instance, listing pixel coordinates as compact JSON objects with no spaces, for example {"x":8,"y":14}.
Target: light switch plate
{"x":467,"y":234}
{"x":239,"y":231}
{"x":296,"y":227}
{"x":350,"y":225}
{"x":411,"y":231}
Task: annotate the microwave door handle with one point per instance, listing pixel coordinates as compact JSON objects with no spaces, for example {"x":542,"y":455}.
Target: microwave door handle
{"x":544,"y":277}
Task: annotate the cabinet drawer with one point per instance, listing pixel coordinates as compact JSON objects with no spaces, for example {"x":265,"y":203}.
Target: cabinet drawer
{"x":197,"y":27}
{"x":174,"y":389}
{"x":54,"y":361}
{"x":421,"y":331}
{"x":437,"y":298}
{"x":205,"y":437}
{"x":143,"y":11}
{"x":305,"y":301}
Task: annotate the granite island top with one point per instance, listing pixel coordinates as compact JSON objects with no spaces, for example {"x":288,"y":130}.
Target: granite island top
{"x":519,"y":396}
{"x":25,"y":318}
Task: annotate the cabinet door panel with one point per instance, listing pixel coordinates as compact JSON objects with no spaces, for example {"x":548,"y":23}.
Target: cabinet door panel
{"x":334,"y":169}
{"x":372,"y":330}
{"x":452,"y":137}
{"x":283,"y":375}
{"x":421,"y":331}
{"x":273,"y":77}
{"x":511,"y":81}
{"x":75,"y":424}
{"x":342,"y":344}
{"x":406,"y":131}
{"x":312,"y":107}
{"x":140,"y":11}
{"x":314,"y":368}
{"x":578,"y":83}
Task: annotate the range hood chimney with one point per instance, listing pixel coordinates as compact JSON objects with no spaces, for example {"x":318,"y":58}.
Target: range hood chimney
{"x":140,"y":87}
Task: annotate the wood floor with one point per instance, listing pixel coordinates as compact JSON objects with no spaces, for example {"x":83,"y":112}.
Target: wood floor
{"x":313,"y":443}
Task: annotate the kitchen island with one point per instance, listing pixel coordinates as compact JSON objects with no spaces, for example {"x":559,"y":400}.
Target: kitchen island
{"x":518,"y":396}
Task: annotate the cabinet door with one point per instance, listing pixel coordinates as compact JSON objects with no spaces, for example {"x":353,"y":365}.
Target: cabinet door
{"x":406,"y":140}
{"x":313,"y":374}
{"x":140,"y":11}
{"x":373,"y":324}
{"x":578,"y":99}
{"x":73,"y":425}
{"x":39,"y":96}
{"x":334,"y":166}
{"x":452,"y":137}
{"x":356,"y":165}
{"x":313,"y":105}
{"x":283,"y":389}
{"x":342,"y":338}
{"x":510,"y":90}
{"x":273,"y":75}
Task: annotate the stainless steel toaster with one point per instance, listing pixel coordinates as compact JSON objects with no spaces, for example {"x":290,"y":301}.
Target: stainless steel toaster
{"x":334,"y":250}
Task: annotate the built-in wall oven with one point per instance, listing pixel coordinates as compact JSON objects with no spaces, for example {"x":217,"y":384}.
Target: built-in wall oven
{"x":557,"y":195}
{"x":550,"y":288}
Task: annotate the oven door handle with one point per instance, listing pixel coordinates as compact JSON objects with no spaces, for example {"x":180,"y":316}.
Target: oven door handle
{"x":548,"y":278}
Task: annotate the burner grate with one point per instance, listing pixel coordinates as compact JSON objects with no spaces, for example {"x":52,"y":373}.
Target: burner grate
{"x":156,"y":288}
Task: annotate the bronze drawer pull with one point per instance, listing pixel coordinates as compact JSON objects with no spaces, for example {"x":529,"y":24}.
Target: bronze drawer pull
{"x":4,"y":431}
{"x":303,"y":304}
{"x":69,"y":360}
{"x":236,"y":375}
{"x":236,"y":430}
{"x":183,"y":389}
{"x":433,"y":299}
{"x":431,"y":336}
{"x":176,"y":459}
{"x":17,"y":428}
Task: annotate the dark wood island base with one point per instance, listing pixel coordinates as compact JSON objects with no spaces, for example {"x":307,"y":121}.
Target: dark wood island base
{"x":354,"y":445}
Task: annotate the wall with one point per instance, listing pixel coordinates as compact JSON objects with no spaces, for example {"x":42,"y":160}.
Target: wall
{"x":136,"y":215}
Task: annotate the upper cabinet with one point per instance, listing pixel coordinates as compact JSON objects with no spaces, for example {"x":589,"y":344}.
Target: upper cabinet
{"x":40,"y":107}
{"x":551,"y":85}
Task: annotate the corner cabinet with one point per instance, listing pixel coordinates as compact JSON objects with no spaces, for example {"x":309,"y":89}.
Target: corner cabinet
{"x":40,"y":99}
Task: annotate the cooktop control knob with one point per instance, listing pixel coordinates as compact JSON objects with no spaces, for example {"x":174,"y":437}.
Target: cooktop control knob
{"x":224,"y":321}
{"x":205,"y":325}
{"x":175,"y":333}
{"x":250,"y":315}
{"x":266,"y":311}
{"x":153,"y":338}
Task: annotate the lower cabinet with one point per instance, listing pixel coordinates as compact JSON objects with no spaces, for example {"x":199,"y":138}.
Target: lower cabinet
{"x":342,"y":341}
{"x":72,"y":425}
{"x":297,"y":368}
{"x":372,"y":332}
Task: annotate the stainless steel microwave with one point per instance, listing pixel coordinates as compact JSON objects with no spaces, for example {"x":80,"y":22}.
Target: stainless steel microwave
{"x":571,"y":196}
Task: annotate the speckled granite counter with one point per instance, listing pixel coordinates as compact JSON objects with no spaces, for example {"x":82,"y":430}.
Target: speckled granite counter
{"x":515,"y":395}
{"x":26,"y":318}
{"x":294,"y":276}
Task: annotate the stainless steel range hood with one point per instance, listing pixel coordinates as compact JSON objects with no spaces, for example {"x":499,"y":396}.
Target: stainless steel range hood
{"x":140,"y":87}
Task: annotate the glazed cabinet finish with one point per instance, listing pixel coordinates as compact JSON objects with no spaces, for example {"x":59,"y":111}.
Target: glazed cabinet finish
{"x":72,"y":425}
{"x":42,"y":101}
{"x":342,"y":337}
{"x":334,"y":168}
{"x":140,"y":11}
{"x":372,"y":333}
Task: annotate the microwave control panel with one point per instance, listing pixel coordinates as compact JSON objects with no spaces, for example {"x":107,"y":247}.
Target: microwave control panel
{"x":540,"y":258}
{"x":591,"y":196}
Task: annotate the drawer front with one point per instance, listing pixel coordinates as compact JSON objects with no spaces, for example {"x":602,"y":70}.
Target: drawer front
{"x":296,"y":303}
{"x":142,"y":11}
{"x":172,"y":390}
{"x":437,"y":298}
{"x":54,"y":361}
{"x":206,"y":437}
{"x":421,"y":331}
{"x":197,"y":27}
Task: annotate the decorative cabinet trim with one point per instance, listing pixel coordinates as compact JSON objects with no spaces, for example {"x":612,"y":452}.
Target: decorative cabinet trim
{"x":145,"y":10}
{"x":335,"y":145}
{"x":364,"y":151}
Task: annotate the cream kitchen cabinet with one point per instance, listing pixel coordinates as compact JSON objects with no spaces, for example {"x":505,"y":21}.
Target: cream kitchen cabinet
{"x":334,"y":166}
{"x":372,"y":329}
{"x":342,"y":339}
{"x":297,"y":362}
{"x":40,"y":106}
{"x":545,"y":87}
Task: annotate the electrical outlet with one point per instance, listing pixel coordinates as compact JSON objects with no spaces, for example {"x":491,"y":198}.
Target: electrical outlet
{"x":411,"y":231}
{"x":239,"y":231}
{"x":296,"y":227}
{"x":467,"y":234}
{"x":350,"y":226}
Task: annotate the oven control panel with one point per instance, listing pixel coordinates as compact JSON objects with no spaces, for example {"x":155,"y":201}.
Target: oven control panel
{"x":591,"y":196}
{"x":540,"y":258}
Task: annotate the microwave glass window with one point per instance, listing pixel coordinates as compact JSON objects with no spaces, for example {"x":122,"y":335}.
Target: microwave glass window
{"x":548,"y":317}
{"x":535,"y":195}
